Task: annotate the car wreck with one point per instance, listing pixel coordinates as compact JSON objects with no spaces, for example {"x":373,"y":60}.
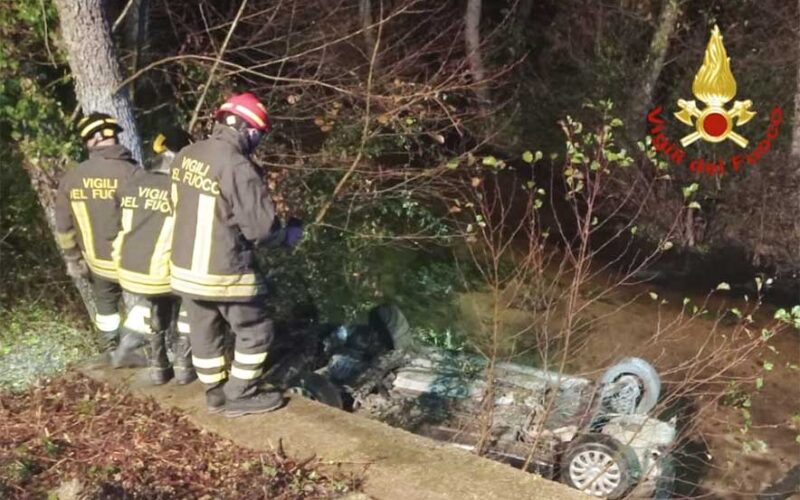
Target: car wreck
{"x":596,"y":436}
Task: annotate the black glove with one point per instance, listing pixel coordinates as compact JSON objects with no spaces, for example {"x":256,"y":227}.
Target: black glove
{"x":294,"y":232}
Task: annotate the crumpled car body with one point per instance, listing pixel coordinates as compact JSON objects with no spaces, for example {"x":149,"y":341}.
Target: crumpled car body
{"x":596,"y":436}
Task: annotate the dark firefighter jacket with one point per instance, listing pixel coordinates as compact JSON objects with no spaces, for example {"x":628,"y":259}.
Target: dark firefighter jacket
{"x":87,"y":207}
{"x":142,"y":248}
{"x":222,"y":212}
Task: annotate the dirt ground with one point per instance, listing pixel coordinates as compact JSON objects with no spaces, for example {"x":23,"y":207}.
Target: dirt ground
{"x":726,"y":457}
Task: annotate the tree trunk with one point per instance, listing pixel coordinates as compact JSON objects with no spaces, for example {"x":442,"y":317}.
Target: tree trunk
{"x":472,"y":39}
{"x":643,"y":97}
{"x":795,"y":152}
{"x":135,"y":35}
{"x":94,"y":65}
{"x":365,"y":15}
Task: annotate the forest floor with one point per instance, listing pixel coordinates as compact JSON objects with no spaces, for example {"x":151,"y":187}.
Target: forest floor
{"x":74,"y":437}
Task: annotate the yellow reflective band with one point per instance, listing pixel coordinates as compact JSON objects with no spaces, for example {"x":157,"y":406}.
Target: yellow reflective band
{"x":66,"y":240}
{"x":216,"y":291}
{"x":85,"y":130}
{"x":201,"y":252}
{"x":119,"y":241}
{"x":251,"y":115}
{"x":107,"y":322}
{"x":214,"y":279}
{"x":183,"y":327}
{"x":249,"y":359}
{"x":143,"y":283}
{"x":159,"y":261}
{"x":243,"y":374}
{"x":103,"y":121}
{"x":211,"y":379}
{"x":84,"y":224}
{"x":136,"y":320}
{"x":208,"y":363}
{"x":158,"y":144}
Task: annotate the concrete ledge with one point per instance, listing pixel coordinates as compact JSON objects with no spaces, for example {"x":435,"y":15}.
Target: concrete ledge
{"x":399,"y":465}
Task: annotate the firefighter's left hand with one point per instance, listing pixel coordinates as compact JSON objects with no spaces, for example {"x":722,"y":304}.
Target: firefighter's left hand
{"x":294,"y":232}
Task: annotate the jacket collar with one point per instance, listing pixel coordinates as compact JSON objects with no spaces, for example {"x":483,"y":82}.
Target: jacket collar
{"x":114,"y":152}
{"x":229,"y":135}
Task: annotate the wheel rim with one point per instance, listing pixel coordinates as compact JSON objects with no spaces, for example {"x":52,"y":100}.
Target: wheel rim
{"x":595,"y":472}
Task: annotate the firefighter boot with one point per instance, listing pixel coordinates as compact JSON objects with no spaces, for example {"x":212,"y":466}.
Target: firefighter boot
{"x":128,"y":353}
{"x":182,"y":362}
{"x":160,"y":369}
{"x":108,"y":343}
{"x":215,"y":399}
{"x":260,"y":402}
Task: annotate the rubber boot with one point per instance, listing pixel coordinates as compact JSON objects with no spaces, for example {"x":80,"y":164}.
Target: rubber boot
{"x":182,"y":362}
{"x":128,"y":353}
{"x":160,"y":369}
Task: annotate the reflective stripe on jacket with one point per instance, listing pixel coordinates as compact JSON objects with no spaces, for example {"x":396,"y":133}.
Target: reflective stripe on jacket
{"x":142,"y":248}
{"x":87,"y":207}
{"x":222,"y":212}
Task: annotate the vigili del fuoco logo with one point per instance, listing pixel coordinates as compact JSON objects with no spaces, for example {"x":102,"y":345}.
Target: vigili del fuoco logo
{"x":713,"y":121}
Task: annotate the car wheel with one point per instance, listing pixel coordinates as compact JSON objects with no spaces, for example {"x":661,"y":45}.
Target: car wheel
{"x":644,"y":374}
{"x":600,"y":466}
{"x":317,"y":388}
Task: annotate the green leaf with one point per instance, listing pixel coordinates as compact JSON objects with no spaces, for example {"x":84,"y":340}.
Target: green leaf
{"x":653,"y":295}
{"x":759,"y":383}
{"x":489,"y":161}
{"x":768,"y":366}
{"x":723,"y":286}
{"x":527,"y":157}
{"x":667,"y":245}
{"x":689,"y":190}
{"x":797,"y":439}
{"x":694,"y":204}
{"x":538,"y":156}
{"x":453,"y":163}
{"x":634,"y":230}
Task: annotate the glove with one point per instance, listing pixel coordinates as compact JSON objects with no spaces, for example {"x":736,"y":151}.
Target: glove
{"x":293,"y":232}
{"x":76,"y":268}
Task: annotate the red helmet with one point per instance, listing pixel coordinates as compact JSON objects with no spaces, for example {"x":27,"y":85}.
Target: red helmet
{"x":247,"y":107}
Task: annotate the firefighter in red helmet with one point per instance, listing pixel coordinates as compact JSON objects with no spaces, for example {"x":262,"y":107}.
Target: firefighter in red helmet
{"x":222,"y":213}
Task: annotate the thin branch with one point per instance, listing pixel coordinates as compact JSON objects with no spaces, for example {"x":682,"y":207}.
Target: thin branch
{"x":214,"y":67}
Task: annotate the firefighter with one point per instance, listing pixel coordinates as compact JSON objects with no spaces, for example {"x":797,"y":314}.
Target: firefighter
{"x":142,"y":251}
{"x":87,"y":218}
{"x":222,"y":213}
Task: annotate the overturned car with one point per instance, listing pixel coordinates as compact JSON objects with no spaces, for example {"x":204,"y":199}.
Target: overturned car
{"x":595,"y":436}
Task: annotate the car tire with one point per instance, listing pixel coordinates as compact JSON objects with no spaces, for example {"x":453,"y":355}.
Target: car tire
{"x":317,"y":388}
{"x":649,"y":381}
{"x":600,"y":466}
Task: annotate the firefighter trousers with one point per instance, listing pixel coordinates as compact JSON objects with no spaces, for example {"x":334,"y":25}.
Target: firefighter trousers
{"x":253,"y":331}
{"x":106,"y":296}
{"x":155,"y":314}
